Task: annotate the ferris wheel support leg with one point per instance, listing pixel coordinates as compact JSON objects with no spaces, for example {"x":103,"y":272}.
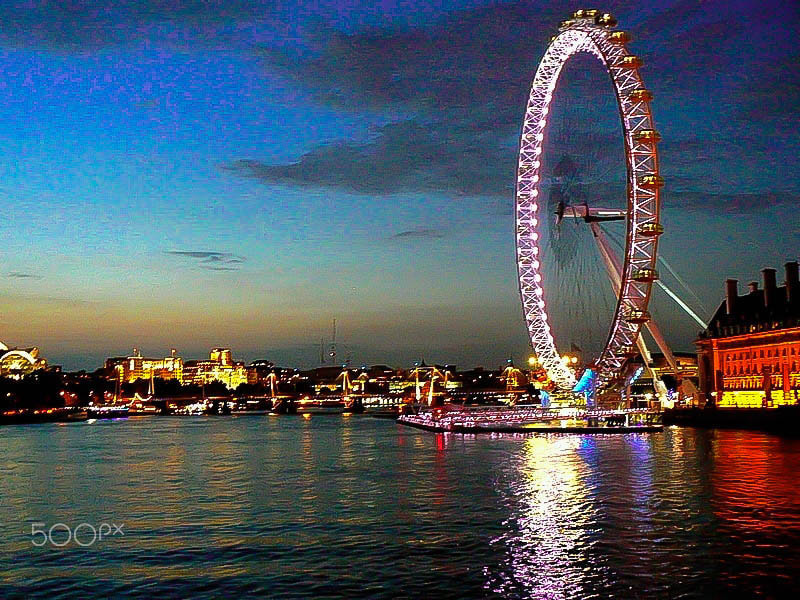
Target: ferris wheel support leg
{"x":614,"y":270}
{"x":654,"y":330}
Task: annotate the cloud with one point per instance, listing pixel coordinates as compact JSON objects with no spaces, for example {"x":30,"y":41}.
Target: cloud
{"x":20,"y":275}
{"x":735,"y":203}
{"x":471,"y":57}
{"x":461,"y":82}
{"x":211,"y":260}
{"x":87,"y":25}
{"x":775,"y":97}
{"x":149,"y":104}
{"x":198,"y":254}
{"x":408,"y":156}
{"x":419,"y":233}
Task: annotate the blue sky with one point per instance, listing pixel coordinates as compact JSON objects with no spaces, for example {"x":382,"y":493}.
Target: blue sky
{"x":198,"y":173}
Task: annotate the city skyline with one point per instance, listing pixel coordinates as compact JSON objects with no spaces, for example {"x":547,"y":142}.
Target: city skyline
{"x":234,"y":174}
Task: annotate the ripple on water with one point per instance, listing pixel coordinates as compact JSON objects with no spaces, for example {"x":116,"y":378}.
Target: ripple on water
{"x":339,"y":507}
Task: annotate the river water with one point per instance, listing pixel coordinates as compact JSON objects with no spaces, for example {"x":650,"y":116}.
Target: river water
{"x":338,"y":506}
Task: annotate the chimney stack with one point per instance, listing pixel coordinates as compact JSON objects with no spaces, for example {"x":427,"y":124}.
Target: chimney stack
{"x":753,"y":285}
{"x":731,"y":294}
{"x":770,"y":286}
{"x":792,"y":283}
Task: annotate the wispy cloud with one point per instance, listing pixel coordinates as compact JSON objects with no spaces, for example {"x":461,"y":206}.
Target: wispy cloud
{"x":213,"y":268}
{"x":21,"y":275}
{"x":419,"y":233}
{"x":211,"y":260}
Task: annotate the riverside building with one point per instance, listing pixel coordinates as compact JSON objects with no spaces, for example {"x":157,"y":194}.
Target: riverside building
{"x":220,"y":366}
{"x":749,"y":356}
{"x":130,"y":368}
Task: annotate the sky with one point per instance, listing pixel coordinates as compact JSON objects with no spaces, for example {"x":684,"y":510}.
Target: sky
{"x":198,"y":173}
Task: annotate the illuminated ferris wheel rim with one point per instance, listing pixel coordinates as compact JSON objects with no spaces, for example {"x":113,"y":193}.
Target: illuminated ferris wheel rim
{"x":592,"y":32}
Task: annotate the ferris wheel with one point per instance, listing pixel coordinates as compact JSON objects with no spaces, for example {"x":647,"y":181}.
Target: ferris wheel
{"x":632,"y":274}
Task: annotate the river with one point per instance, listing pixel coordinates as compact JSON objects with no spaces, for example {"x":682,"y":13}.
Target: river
{"x":332,"y":506}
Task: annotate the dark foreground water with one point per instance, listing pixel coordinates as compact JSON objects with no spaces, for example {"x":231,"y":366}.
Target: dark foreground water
{"x":353,"y":506}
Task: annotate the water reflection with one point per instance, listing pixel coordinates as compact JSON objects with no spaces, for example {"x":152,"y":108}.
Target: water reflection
{"x":545,"y":545}
{"x":355,"y":506}
{"x":755,"y":499}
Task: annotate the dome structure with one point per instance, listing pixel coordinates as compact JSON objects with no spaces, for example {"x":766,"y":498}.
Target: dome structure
{"x":18,"y":362}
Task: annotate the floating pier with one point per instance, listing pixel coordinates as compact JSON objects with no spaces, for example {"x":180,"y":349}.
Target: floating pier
{"x":533,"y":420}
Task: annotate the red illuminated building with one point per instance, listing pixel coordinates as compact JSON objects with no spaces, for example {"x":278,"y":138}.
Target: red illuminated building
{"x":749,"y":356}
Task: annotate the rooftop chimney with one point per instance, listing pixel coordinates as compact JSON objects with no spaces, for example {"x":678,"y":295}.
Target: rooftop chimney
{"x":753,"y":285}
{"x":792,"y":283}
{"x":731,"y":293}
{"x":770,"y":286}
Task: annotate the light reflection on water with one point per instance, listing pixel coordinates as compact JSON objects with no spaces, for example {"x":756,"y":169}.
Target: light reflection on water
{"x":343,"y":506}
{"x":543,"y":537}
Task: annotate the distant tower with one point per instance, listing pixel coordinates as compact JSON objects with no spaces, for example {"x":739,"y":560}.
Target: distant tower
{"x":332,"y":350}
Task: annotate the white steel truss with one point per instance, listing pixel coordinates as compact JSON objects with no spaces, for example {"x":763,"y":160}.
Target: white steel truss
{"x":643,"y":202}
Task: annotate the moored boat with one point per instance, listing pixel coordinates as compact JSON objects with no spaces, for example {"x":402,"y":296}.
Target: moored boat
{"x":48,"y":415}
{"x":112,"y":411}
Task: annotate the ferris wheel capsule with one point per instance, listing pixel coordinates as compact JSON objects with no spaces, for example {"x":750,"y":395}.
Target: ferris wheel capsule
{"x":606,"y":20}
{"x":641,"y":95}
{"x":630,"y":62}
{"x":619,"y":37}
{"x":645,"y":275}
{"x":650,"y":136}
{"x":637,"y":316}
{"x":651,"y":229}
{"x":651,"y":181}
